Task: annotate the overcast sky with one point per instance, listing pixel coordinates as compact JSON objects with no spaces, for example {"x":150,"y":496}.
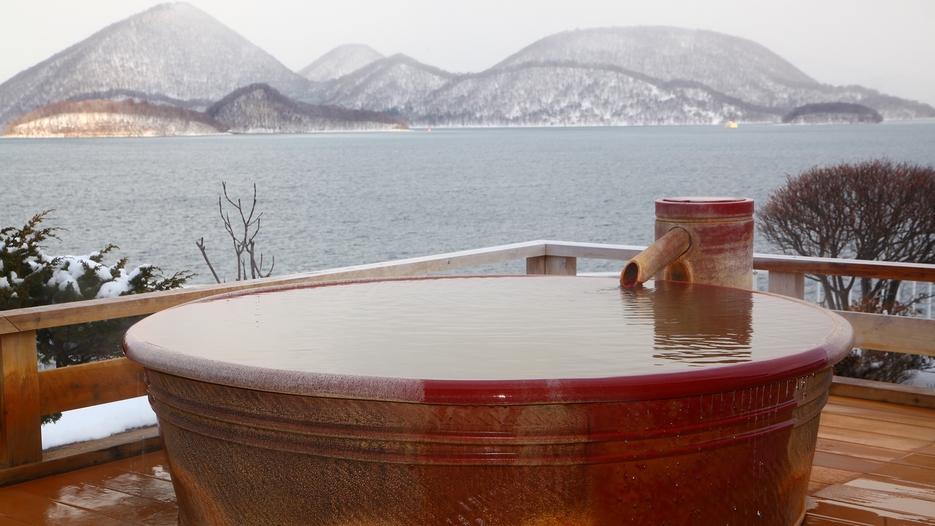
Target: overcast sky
{"x":888,"y":45}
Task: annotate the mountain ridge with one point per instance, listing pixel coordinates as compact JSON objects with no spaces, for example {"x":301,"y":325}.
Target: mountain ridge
{"x":259,"y":108}
{"x":340,"y":61}
{"x":716,"y":78}
{"x":664,"y":52}
{"x":170,"y":50}
{"x":177,"y":55}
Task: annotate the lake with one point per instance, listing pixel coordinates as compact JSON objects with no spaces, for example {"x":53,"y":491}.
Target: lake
{"x":335,"y":199}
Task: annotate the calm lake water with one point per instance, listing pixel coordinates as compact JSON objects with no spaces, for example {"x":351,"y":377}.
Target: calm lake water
{"x":336,"y":199}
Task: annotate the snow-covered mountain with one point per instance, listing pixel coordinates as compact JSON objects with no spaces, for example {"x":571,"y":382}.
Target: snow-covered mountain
{"x":397,"y":83}
{"x":171,"y":53}
{"x":730,"y":65}
{"x":575,"y":96}
{"x":339,"y":62}
{"x":175,"y":54}
{"x":606,"y":76}
{"x":259,"y":108}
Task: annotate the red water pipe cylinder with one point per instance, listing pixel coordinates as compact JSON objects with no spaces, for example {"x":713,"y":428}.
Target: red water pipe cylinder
{"x":721,"y":232}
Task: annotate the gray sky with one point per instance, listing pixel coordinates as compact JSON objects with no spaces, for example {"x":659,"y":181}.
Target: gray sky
{"x":888,"y":45}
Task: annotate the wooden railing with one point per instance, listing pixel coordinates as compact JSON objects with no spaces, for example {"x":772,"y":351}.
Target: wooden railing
{"x":26,"y":393}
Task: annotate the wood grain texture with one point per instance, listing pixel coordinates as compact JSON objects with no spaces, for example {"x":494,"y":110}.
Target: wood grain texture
{"x":552,"y":265}
{"x":868,"y":402}
{"x":909,"y":507}
{"x":85,"y":385}
{"x":858,"y":423}
{"x":792,"y":285}
{"x":856,"y":450}
{"x":85,"y":454}
{"x":6,"y":326}
{"x":871,"y":412}
{"x":20,"y":421}
{"x":845,"y":267}
{"x":869,"y":438}
{"x":883,"y":392}
{"x":892,"y":333}
{"x":828,"y":476}
{"x":892,"y":487}
{"x":592,"y":250}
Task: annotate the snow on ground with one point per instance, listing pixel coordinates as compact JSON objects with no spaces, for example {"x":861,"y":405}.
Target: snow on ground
{"x":924,"y":379}
{"x":99,"y":421}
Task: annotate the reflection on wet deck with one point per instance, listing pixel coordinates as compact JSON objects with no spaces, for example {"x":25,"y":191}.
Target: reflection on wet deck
{"x":874,"y":465}
{"x":137,"y":490}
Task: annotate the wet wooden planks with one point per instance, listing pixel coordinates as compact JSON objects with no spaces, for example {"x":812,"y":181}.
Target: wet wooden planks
{"x":136,"y":490}
{"x":874,"y":465}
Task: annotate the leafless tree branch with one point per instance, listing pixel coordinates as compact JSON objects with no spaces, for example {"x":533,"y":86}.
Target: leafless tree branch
{"x":201,"y":246}
{"x":241,"y":243}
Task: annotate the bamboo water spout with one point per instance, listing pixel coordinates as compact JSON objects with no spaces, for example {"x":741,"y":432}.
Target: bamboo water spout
{"x":662,"y":253}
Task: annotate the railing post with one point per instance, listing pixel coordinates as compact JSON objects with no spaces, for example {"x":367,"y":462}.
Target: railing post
{"x":20,"y":421}
{"x":553,"y":265}
{"x":787,"y":284}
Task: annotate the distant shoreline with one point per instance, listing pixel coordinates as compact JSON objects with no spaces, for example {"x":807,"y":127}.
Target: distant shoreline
{"x":429,"y":129}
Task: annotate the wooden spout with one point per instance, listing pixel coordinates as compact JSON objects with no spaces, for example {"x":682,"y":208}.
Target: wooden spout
{"x":656,"y":257}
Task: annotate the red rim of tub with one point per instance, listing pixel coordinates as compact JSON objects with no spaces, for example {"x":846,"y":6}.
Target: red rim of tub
{"x":822,"y":355}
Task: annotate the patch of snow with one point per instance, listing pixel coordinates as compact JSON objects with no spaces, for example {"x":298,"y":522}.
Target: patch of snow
{"x":67,"y":272}
{"x":120,"y":285}
{"x":103,"y":273}
{"x":100,"y":421}
{"x":925,"y":379}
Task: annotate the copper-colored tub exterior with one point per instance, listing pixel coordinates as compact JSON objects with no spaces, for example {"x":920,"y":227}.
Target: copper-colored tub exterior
{"x":708,"y":446}
{"x":250,"y":457}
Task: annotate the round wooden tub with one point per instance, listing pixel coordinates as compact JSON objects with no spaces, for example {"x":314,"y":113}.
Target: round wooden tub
{"x":516,"y":400}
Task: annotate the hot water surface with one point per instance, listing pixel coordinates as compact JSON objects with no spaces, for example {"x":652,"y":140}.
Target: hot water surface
{"x":490,"y":328}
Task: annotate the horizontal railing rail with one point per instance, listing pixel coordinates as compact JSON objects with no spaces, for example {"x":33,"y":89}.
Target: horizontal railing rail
{"x":26,"y":393}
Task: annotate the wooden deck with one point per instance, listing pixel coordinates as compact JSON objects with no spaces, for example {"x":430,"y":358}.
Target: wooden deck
{"x":136,"y":490}
{"x":874,"y":465}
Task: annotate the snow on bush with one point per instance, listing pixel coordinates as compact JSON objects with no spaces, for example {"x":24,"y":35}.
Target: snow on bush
{"x":31,"y":277}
